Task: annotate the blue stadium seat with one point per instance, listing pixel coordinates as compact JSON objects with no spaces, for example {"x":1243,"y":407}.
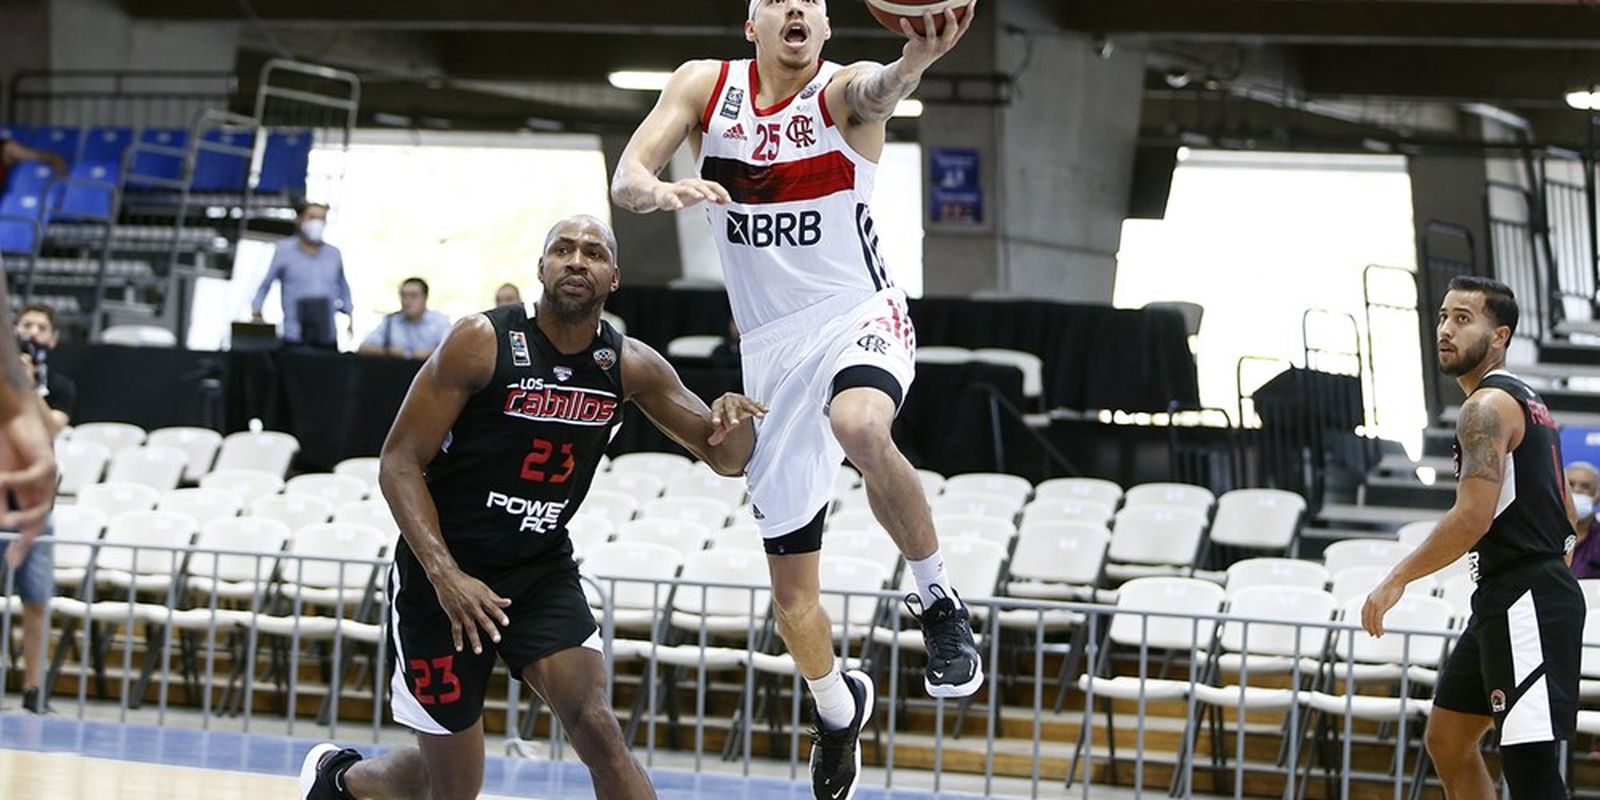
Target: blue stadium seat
{"x":15,"y":132}
{"x":283,"y":167}
{"x":61,"y":140}
{"x":164,"y":165}
{"x":216,"y":171}
{"x":28,"y":178}
{"x":16,"y":235}
{"x":106,"y":145}
{"x":83,"y":197}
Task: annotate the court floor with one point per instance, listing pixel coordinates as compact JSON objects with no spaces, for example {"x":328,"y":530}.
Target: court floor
{"x":52,"y":758}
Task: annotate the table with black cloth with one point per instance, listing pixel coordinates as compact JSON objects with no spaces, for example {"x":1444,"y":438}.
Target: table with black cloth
{"x":341,"y":405}
{"x":1095,"y":356}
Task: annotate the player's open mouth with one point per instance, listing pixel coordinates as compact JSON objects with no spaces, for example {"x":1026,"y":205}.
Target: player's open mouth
{"x":796,"y":33}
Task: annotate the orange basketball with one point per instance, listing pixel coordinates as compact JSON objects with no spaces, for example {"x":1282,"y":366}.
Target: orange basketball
{"x":890,"y":12}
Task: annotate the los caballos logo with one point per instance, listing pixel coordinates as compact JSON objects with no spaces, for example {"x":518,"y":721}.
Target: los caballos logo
{"x":534,"y":399}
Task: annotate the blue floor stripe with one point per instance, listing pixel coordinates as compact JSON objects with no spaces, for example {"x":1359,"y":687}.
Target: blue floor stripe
{"x":280,"y":755}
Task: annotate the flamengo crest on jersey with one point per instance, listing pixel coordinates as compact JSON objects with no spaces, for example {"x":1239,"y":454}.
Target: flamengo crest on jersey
{"x":798,"y":230}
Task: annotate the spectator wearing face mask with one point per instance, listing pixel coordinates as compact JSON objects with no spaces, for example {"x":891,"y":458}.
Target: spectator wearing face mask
{"x":1584,"y":482}
{"x":312,"y":283}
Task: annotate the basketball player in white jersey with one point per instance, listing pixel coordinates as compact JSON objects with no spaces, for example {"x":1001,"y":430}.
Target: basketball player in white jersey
{"x":788,"y":146}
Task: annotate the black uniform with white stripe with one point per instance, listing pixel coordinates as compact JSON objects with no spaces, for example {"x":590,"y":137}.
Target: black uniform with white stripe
{"x":1519,"y":658}
{"x":516,"y":464}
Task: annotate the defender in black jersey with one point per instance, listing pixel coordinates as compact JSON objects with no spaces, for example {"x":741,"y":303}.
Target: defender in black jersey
{"x":493,"y":450}
{"x":1516,"y":666}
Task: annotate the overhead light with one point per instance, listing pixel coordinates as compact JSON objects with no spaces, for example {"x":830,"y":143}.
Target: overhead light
{"x":1582,"y":100}
{"x":1183,"y":153}
{"x":908,"y":108}
{"x":639,"y":80}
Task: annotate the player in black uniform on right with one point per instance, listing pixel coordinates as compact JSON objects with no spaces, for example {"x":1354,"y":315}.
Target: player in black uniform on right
{"x":1516,"y":665}
{"x":490,"y":455}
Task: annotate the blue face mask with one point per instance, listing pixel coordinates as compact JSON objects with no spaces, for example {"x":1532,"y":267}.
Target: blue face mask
{"x":1584,"y":504}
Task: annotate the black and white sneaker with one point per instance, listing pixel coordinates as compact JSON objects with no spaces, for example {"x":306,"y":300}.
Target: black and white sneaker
{"x":34,"y":700}
{"x":954,"y":667}
{"x":322,"y":772}
{"x":835,"y":756}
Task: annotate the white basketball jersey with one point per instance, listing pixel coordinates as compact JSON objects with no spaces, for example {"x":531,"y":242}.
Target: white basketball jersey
{"x":798,"y":231}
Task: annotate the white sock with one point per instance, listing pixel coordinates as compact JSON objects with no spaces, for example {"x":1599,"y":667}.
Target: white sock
{"x":933,"y":583}
{"x":836,"y":706}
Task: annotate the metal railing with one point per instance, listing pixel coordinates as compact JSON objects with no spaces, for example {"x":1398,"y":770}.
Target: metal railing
{"x":722,"y":632}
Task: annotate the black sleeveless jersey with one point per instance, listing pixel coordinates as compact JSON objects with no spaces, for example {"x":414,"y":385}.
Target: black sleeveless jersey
{"x":1530,"y":520}
{"x":521,"y":456}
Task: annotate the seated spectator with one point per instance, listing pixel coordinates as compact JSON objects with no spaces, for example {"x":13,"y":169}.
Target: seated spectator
{"x":13,"y":152}
{"x":507,"y":295}
{"x":1584,"y":481}
{"x":413,"y":331}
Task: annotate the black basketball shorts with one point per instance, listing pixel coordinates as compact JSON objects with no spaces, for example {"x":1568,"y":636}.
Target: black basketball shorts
{"x":437,"y":690}
{"x":1519,"y":658}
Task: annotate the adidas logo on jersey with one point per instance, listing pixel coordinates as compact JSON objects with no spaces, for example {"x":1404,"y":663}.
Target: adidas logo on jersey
{"x":736,"y":132}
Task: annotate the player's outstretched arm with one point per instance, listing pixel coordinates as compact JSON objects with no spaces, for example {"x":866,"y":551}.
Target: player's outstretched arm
{"x":717,"y":435}
{"x":871,"y":91}
{"x":462,"y":365}
{"x":1489,"y":427}
{"x":675,"y":117}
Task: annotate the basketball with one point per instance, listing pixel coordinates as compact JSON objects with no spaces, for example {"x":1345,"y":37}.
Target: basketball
{"x":890,"y":12}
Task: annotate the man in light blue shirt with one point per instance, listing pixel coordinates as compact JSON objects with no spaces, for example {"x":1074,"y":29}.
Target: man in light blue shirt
{"x":413,"y":331}
{"x":311,"y":277}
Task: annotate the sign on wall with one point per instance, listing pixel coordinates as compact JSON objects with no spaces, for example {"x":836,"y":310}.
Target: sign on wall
{"x":955,"y":196}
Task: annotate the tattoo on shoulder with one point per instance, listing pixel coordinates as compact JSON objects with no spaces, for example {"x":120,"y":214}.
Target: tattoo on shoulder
{"x":1480,"y":433}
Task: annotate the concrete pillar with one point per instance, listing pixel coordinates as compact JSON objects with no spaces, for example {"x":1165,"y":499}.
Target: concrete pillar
{"x":647,"y":244}
{"x":1056,"y":162}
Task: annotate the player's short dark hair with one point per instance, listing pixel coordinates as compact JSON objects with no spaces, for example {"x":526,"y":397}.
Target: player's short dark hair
{"x":1498,"y":298}
{"x":417,"y":281}
{"x":34,"y":308}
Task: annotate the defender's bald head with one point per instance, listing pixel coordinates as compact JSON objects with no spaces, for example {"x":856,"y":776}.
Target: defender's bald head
{"x":575,"y":226}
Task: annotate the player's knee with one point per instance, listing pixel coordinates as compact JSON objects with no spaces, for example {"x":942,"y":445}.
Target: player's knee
{"x":593,"y":721}
{"x":1447,"y":745}
{"x":454,"y":787}
{"x":791,"y":603}
{"x":864,"y":437}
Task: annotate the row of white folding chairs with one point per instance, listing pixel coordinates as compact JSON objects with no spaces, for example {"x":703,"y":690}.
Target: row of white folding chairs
{"x":305,"y":499}
{"x":166,"y":466}
{"x":204,"y":449}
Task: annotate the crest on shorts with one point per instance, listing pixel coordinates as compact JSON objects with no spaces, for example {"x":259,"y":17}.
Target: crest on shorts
{"x":1497,"y":701}
{"x":605,"y":357}
{"x":731,"y":102}
{"x":873,"y":343}
{"x":519,"y":349}
{"x":562,"y":373}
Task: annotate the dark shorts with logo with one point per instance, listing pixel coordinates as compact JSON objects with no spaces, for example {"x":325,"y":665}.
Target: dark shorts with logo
{"x":437,"y":690}
{"x":1519,"y":658}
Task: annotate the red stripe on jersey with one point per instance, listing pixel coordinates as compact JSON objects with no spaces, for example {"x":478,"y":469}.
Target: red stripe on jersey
{"x":822,"y":104}
{"x":786,"y":182}
{"x":716,"y":95}
{"x":755,"y":92}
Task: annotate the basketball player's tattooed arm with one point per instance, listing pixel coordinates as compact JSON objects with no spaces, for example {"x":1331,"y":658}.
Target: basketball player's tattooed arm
{"x":872,"y":91}
{"x":1489,"y":428}
{"x":27,"y":455}
{"x":463,"y":364}
{"x":715,"y":435}
{"x":675,"y":118}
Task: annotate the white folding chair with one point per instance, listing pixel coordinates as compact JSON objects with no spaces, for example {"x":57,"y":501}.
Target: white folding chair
{"x":696,"y":346}
{"x":296,"y":511}
{"x":1346,"y":553}
{"x":373,"y":513}
{"x":635,"y":482}
{"x":852,"y":617}
{"x":1355,"y":583}
{"x":588,"y":531}
{"x":939,"y":354}
{"x":722,"y":612}
{"x":738,"y":537}
{"x":1093,"y":490}
{"x":703,"y":483}
{"x":1258,"y":519}
{"x":993,"y":484}
{"x":855,"y":519}
{"x":266,"y":451}
{"x":980,"y":505}
{"x":1591,"y":592}
{"x":1030,"y":365}
{"x":1153,"y":539}
{"x":317,"y":567}
{"x":247,"y":483}
{"x":336,"y":489}
{"x":204,"y":505}
{"x":199,"y":444}
{"x":1412,"y":534}
{"x":160,"y":468}
{"x":852,"y":500}
{"x":1254,"y":650}
{"x":932,"y":483}
{"x":994,"y":530}
{"x":81,"y":464}
{"x":75,"y":523}
{"x":362,"y":468}
{"x":626,"y":571}
{"x":1055,"y":509}
{"x":683,"y":536}
{"x":663,"y":465}
{"x":1056,"y":561}
{"x":1182,"y":495}
{"x":848,"y":479}
{"x":1275,"y":572}
{"x":144,"y":550}
{"x":116,"y":436}
{"x":230,"y":576}
{"x":974,"y":567}
{"x":869,"y":545}
{"x":619,"y":507}
{"x":112,"y":499}
{"x":707,"y":512}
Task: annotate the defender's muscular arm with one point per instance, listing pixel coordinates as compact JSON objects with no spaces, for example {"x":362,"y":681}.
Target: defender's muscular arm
{"x":463,"y":365}
{"x":1490,"y":426}
{"x":715,"y":435}
{"x":675,"y":117}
